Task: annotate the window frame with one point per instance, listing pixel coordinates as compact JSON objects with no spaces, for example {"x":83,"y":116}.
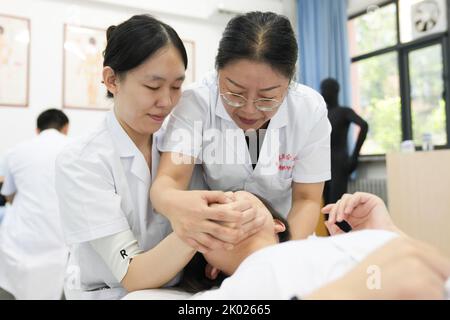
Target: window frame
{"x":403,"y":50}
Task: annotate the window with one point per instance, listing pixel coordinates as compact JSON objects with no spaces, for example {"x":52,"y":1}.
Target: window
{"x":376,"y":95}
{"x":373,"y":31}
{"x":399,"y":82}
{"x":427,"y":93}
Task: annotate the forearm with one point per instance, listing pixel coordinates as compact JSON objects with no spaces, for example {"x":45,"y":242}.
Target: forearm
{"x":162,"y":193}
{"x":303,"y":218}
{"x":159,"y":265}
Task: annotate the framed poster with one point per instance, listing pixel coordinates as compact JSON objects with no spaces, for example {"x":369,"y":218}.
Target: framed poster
{"x":190,"y":72}
{"x":82,"y":68}
{"x":14,"y":60}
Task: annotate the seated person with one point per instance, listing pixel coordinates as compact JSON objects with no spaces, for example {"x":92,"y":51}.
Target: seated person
{"x":375,"y":260}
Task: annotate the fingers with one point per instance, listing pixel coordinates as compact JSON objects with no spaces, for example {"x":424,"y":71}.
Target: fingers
{"x":196,"y":245}
{"x":233,"y":235}
{"x":231,"y":212}
{"x":226,"y":235}
{"x":216,"y":197}
{"x":328,"y":208}
{"x":333,"y":229}
{"x":332,"y":214}
{"x":249,"y":215}
{"x":222,"y":214}
{"x":251,"y":227}
{"x":345,"y":206}
{"x":230,"y":195}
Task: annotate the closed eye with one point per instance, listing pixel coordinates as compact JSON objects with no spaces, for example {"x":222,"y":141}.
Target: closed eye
{"x":152,"y":88}
{"x":268,"y":98}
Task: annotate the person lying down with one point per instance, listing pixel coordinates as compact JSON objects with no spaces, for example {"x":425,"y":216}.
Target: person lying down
{"x":374,"y":261}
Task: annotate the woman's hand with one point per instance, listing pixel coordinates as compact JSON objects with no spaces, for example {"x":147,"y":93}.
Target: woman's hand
{"x":401,"y":269}
{"x":208,"y":220}
{"x":361,"y":210}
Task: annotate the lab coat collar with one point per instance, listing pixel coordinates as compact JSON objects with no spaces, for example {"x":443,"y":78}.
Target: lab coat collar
{"x":126,"y":148}
{"x":280,"y":119}
{"x":220,"y":108}
{"x":50,"y":132}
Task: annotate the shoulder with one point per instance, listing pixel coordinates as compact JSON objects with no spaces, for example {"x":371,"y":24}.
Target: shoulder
{"x":19,"y":151}
{"x":303,"y":99}
{"x":94,"y":146}
{"x":201,"y":90}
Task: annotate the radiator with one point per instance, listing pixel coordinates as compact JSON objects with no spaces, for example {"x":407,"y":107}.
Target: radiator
{"x":375,"y":186}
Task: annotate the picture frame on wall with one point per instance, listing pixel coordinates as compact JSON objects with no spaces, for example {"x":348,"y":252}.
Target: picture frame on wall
{"x":82,"y":68}
{"x":190,"y":71}
{"x":14,"y":61}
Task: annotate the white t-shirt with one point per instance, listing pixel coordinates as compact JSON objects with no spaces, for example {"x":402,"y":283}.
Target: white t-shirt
{"x":296,"y":146}
{"x":297,"y":268}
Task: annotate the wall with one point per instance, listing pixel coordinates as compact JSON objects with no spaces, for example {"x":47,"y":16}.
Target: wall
{"x":47,"y":19}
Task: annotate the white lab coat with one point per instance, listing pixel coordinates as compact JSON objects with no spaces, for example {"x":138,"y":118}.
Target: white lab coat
{"x":103,"y":184}
{"x":33,"y":255}
{"x":296,"y":146}
{"x":297,"y":268}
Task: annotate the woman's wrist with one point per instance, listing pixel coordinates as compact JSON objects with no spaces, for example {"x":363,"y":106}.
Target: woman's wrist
{"x":168,"y":199}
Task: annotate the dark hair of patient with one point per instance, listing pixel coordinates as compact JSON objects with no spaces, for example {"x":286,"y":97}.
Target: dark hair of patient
{"x":194,"y":279}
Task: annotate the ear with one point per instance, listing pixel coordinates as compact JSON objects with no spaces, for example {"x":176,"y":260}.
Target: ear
{"x":279,"y":226}
{"x":65,"y":130}
{"x":38,"y":131}
{"x":110,"y":79}
{"x":211,"y":272}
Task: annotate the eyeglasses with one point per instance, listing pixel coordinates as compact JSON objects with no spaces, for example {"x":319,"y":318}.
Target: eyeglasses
{"x":237,"y":101}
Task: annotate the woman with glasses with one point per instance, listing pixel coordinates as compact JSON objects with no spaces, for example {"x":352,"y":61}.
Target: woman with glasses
{"x":250,"y":127}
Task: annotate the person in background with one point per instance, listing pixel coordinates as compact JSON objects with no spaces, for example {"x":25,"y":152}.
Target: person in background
{"x":342,"y":164}
{"x":33,"y":255}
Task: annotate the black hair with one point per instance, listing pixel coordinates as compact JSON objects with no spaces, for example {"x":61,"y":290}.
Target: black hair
{"x":260,"y":36}
{"x":133,"y":41}
{"x":194,"y":279}
{"x":52,"y":119}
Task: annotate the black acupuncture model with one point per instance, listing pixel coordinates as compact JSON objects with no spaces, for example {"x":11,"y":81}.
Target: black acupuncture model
{"x":342,"y":163}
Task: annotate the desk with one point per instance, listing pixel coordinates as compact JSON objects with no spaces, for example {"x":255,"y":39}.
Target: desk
{"x":419,"y":195}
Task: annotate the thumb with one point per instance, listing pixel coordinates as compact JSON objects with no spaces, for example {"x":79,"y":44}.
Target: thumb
{"x":327,"y":208}
{"x":332,"y":228}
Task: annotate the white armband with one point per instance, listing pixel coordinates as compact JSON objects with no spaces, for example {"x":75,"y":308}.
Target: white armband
{"x":117,"y":251}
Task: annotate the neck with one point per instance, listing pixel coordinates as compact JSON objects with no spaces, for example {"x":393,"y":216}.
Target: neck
{"x":332,"y":102}
{"x":247,"y":250}
{"x":142,"y":141}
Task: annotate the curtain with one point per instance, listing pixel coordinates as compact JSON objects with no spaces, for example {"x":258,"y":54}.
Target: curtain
{"x":323,"y":44}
